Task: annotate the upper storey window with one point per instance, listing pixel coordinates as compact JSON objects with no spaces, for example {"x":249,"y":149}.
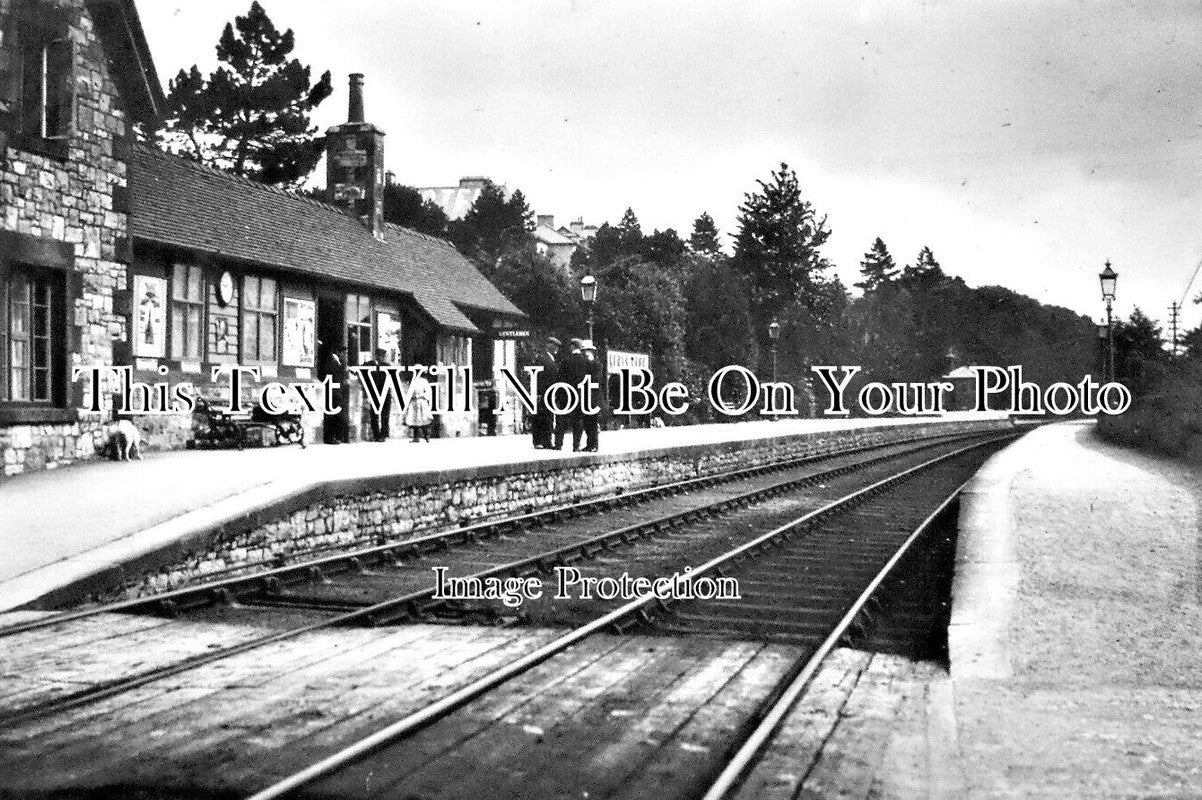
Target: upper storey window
{"x":37,"y":78}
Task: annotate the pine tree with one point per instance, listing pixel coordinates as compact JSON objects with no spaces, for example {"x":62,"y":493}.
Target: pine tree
{"x":777,"y":247}
{"x":704,"y":239}
{"x":925,"y":267}
{"x":630,"y":224}
{"x":877,"y":268}
{"x":252,"y":114}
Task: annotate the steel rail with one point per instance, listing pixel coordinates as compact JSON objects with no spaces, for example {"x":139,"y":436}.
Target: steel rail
{"x":747,"y":754}
{"x":461,"y":697}
{"x":234,"y":588}
{"x":416,"y":603}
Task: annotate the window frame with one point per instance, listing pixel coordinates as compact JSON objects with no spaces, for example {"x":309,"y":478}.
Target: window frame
{"x":53,"y":359}
{"x":361,"y":329}
{"x":173,"y":330}
{"x":46,"y":33}
{"x":258,"y":313}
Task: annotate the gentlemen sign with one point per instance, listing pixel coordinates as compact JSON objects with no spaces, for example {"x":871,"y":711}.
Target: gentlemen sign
{"x":504,"y":329}
{"x":617,"y":360}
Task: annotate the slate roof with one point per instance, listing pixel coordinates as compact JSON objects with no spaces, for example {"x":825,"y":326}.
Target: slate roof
{"x":184,"y":204}
{"x":550,"y":236}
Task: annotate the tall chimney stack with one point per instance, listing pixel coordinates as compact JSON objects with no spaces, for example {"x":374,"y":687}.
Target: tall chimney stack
{"x":355,"y":111}
{"x":355,"y":163}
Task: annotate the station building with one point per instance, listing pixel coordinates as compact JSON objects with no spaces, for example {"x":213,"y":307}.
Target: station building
{"x":113,"y":253}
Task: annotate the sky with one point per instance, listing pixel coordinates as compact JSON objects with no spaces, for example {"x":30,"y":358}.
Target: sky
{"x":1025,"y":143}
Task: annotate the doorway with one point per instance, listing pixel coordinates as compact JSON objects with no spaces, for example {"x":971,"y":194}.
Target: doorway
{"x":331,"y":334}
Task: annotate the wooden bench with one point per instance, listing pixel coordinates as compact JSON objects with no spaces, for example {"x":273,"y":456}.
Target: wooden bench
{"x":217,"y":428}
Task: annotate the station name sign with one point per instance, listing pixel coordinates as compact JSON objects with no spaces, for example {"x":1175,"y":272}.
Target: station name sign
{"x":618,"y":360}
{"x":503,"y":329}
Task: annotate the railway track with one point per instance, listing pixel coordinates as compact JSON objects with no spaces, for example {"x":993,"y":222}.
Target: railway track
{"x":815,"y":532}
{"x":393,"y":583}
{"x":269,"y":586}
{"x":851,"y":493}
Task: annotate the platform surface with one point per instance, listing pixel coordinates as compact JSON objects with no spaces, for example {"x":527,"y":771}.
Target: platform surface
{"x":58,"y":525}
{"x":1077,"y":623}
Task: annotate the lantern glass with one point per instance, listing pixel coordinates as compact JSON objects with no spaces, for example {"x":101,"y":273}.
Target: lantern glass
{"x":774,"y":330}
{"x":1108,"y":278}
{"x":588,"y":289}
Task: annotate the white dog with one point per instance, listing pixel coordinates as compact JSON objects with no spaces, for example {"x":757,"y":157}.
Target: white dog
{"x":125,"y":440}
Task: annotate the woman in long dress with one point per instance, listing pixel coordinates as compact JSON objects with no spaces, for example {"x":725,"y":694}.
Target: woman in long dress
{"x":418,"y":414}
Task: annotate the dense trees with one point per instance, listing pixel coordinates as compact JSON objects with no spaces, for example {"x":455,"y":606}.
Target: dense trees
{"x":695,"y":308}
{"x":493,"y":226}
{"x":252,"y":114}
{"x":403,"y":205}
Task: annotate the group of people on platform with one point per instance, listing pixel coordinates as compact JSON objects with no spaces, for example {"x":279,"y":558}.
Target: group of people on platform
{"x":571,"y":367}
{"x":418,"y":413}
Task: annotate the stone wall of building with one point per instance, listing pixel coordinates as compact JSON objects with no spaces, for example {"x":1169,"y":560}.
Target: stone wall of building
{"x":72,"y":201}
{"x":395,"y":508}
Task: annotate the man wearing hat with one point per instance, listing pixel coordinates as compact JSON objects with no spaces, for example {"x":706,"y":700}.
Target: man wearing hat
{"x":591,"y":423}
{"x":572,"y":370}
{"x":542,"y":424}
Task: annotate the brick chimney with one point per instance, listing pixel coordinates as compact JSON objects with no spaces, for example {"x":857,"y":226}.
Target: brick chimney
{"x":355,"y":164}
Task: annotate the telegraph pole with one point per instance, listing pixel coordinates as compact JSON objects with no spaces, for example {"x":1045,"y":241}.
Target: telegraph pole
{"x":1174,"y":313}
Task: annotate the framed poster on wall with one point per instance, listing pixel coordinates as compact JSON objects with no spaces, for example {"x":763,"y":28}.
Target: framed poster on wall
{"x":299,"y":331}
{"x":150,"y":317}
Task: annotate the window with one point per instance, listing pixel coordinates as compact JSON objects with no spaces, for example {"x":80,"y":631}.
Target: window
{"x":31,"y":337}
{"x":187,"y":311}
{"x":259,"y":312}
{"x":46,"y":100}
{"x":358,"y":329}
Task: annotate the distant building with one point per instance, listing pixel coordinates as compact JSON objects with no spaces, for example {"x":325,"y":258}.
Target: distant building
{"x":456,"y":201}
{"x":560,"y":243}
{"x":964,"y":387}
{"x":552,"y":243}
{"x":578,"y":232}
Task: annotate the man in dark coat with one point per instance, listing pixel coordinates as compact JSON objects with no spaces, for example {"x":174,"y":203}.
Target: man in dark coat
{"x":379,"y":422}
{"x":336,"y":429}
{"x":592,"y":422}
{"x":572,"y":370}
{"x":542,"y":424}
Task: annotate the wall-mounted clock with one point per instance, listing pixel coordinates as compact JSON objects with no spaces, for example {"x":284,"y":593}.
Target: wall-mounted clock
{"x":225,"y":288}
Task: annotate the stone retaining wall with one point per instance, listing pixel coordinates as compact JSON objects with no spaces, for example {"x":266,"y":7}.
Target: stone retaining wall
{"x":394,"y":508}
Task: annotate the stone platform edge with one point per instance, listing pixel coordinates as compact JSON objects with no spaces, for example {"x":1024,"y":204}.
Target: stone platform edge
{"x":987,"y":570}
{"x":259,"y":526}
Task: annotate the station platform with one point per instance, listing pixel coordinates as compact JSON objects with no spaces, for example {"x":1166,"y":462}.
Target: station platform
{"x":58,"y":528}
{"x":1076,"y":625}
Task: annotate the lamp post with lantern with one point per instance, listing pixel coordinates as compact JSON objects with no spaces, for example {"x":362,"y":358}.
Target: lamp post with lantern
{"x":1108,"y":278}
{"x":588,"y":293}
{"x":773,"y":337}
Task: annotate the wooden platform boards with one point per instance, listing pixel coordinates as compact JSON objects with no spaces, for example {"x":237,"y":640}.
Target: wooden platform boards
{"x":615,"y":716}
